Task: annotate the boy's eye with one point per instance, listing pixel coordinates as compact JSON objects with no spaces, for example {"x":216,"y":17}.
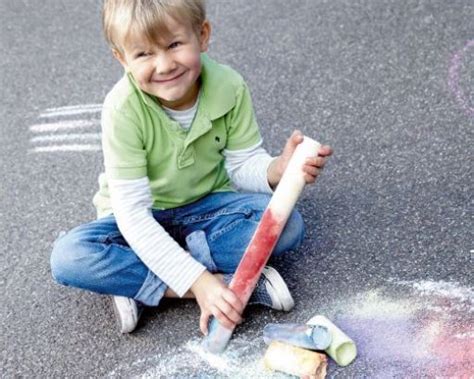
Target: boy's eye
{"x":142,"y":54}
{"x":174,"y":45}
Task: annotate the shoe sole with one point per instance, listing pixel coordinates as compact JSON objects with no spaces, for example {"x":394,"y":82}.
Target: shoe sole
{"x":277,"y":282}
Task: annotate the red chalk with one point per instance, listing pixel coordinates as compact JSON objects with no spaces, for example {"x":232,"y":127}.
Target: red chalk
{"x":256,"y":256}
{"x":247,"y":274}
{"x":265,"y":238}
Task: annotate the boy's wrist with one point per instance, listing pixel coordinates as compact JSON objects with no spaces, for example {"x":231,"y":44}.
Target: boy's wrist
{"x":203,"y":278}
{"x":273,"y":176}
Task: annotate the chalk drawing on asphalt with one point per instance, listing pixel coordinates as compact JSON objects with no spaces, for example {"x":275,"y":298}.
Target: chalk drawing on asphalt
{"x":458,"y":61}
{"x":71,"y":110}
{"x":402,"y":329}
{"x":73,"y":128}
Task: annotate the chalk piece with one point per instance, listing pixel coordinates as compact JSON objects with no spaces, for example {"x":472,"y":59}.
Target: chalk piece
{"x":266,"y":236}
{"x":342,"y":349}
{"x":312,"y":337}
{"x":295,"y":361}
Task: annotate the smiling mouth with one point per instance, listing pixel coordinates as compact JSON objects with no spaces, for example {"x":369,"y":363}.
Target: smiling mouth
{"x":169,"y":80}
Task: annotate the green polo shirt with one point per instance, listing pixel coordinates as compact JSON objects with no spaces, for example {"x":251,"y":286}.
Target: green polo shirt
{"x":139,"y":139}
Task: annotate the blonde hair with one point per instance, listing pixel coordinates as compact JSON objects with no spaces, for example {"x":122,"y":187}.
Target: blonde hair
{"x":148,"y":17}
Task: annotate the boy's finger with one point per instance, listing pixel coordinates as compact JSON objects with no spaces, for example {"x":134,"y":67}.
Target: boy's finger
{"x":311,"y":170}
{"x":297,"y":137}
{"x":222,"y":318}
{"x":325,"y":151}
{"x":309,"y":179}
{"x":316,"y":161}
{"x":204,"y":322}
{"x":229,"y":312}
{"x":290,"y":146}
{"x":233,"y":300}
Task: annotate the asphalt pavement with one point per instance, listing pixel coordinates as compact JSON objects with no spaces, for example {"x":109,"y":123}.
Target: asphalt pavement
{"x":389,"y":251}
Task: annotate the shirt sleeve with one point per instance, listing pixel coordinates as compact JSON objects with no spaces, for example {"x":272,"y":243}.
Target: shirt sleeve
{"x":122,"y":144}
{"x":242,"y":130}
{"x":131,"y":204}
{"x":247,"y":168}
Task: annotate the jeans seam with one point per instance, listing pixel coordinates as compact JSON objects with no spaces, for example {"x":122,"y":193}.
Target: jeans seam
{"x":108,"y":239}
{"x":226,"y":229}
{"x":209,"y":216}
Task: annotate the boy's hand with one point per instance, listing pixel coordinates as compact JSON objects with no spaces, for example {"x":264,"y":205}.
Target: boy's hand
{"x":312,"y":167}
{"x":216,"y":299}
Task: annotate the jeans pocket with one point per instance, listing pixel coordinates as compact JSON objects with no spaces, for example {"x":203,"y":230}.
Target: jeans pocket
{"x":199,"y":249}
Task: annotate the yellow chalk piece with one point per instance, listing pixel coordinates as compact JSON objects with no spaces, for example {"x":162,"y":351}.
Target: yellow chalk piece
{"x":342,"y":349}
{"x":295,"y":361}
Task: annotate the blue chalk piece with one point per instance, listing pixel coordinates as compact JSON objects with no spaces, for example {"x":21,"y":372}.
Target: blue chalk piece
{"x":314,"y":337}
{"x":217,"y":339}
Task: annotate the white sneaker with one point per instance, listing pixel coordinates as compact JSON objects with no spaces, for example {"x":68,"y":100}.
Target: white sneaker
{"x":276,"y":289}
{"x":127,"y":313}
{"x":271,"y":290}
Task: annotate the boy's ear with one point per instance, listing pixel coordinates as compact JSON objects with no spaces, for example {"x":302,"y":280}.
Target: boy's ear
{"x":205,"y":35}
{"x":118,"y":55}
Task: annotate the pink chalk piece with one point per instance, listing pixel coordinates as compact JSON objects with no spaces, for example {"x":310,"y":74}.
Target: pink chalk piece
{"x":453,"y":78}
{"x":265,"y":238}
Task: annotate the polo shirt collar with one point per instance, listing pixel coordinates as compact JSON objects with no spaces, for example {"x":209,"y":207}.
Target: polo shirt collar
{"x":218,"y":93}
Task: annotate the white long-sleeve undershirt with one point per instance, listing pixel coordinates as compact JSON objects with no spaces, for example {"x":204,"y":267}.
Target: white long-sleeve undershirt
{"x":247,"y":168}
{"x":132,"y":206}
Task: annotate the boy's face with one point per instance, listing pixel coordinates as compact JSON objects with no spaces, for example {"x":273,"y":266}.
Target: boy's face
{"x":170,"y":67}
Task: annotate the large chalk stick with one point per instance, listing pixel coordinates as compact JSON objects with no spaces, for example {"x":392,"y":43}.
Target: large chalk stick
{"x":295,"y":361}
{"x":265,"y":237}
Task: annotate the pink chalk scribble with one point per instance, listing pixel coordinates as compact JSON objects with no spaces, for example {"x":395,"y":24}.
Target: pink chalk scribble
{"x":454,"y":75}
{"x":423,"y":329}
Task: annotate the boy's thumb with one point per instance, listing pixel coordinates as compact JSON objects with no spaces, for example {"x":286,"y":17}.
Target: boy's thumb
{"x":203,"y":323}
{"x":295,"y":139}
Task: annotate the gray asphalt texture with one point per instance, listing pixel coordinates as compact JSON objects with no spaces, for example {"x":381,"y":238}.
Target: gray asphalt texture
{"x":370,"y":78}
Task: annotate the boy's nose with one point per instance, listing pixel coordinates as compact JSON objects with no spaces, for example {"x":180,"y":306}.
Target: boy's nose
{"x":164,"y":64}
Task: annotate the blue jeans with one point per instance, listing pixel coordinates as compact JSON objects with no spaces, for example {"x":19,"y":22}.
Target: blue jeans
{"x":215,"y":230}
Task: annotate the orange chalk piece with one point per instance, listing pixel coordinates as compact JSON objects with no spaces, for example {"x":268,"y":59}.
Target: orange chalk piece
{"x":295,"y":361}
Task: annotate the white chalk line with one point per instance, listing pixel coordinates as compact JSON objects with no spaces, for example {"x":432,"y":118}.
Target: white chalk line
{"x":67,"y":125}
{"x":65,"y":148}
{"x":72,"y":107}
{"x":66,"y":137}
{"x":71,"y":112}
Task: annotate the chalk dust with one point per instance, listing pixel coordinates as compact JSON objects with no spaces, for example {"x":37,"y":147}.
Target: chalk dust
{"x":242,"y":359}
{"x":374,"y":303}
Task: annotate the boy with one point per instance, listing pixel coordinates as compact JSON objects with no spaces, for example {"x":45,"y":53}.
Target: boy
{"x":178,"y":133}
